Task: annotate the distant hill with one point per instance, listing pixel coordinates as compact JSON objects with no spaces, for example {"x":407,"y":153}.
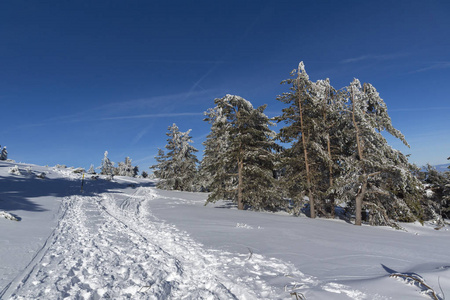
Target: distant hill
{"x":442,"y":168}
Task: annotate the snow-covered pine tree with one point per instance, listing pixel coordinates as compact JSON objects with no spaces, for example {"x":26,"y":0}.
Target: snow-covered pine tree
{"x":215,"y":167}
{"x":107,"y":167}
{"x":4,"y":154}
{"x":125,"y":168}
{"x":135,"y":171}
{"x":91,"y":170}
{"x":239,"y":154}
{"x":120,"y":170}
{"x":178,"y":168}
{"x":437,"y":183}
{"x":373,"y":174}
{"x":305,"y":132}
{"x":162,"y":168}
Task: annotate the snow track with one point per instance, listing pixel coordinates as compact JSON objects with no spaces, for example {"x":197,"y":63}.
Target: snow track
{"x":111,"y":246}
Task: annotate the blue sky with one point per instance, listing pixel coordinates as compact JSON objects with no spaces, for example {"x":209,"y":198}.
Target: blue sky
{"x":81,"y":77}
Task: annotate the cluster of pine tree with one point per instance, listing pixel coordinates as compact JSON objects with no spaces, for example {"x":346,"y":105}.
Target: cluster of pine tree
{"x":123,"y":168}
{"x":333,"y":154}
{"x":437,"y":185}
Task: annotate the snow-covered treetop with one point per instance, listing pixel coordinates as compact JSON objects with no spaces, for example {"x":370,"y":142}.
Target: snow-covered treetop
{"x":302,"y":72}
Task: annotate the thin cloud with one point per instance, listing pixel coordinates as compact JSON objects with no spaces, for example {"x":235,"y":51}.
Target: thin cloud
{"x":372,"y":57}
{"x":152,"y":103}
{"x":145,"y":159}
{"x":419,"y":109}
{"x":172,"y":61}
{"x":139,"y":136}
{"x":147,"y":116}
{"x":155,"y":101}
{"x":435,"y":66}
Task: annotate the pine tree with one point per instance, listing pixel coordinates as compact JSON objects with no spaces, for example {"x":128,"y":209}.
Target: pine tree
{"x":215,"y":167}
{"x":107,"y":167}
{"x":437,"y":183}
{"x":4,"y":154}
{"x":375,"y":175}
{"x":238,"y":154}
{"x":446,"y":196}
{"x":303,"y":118}
{"x":125,"y":168}
{"x":91,"y":170}
{"x":178,"y":168}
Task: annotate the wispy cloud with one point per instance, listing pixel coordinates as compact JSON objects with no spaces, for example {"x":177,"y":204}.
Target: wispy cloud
{"x":434,"y":66}
{"x":373,"y":57}
{"x":146,"y":159}
{"x":147,"y":116}
{"x":419,"y":109}
{"x":139,"y":136}
{"x":173,"y":61}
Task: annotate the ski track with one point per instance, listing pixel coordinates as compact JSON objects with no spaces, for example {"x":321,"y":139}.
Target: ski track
{"x":112,"y":247}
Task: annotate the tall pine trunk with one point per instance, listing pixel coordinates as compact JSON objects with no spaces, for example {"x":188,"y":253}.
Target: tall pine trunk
{"x":330,"y":163}
{"x":240,"y":183}
{"x":359,"y":202}
{"x":305,"y":151}
{"x":362,"y":191}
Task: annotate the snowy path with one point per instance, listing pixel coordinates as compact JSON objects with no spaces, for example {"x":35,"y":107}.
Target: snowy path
{"x":111,"y":246}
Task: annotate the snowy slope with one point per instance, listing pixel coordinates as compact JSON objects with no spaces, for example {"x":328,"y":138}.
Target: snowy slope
{"x":127,"y":239}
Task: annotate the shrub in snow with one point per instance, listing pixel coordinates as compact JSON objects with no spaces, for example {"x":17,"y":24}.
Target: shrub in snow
{"x":78,"y":170}
{"x":28,"y":169}
{"x":14,"y":170}
{"x":144,"y":174}
{"x":61,"y":166}
{"x":41,"y":175}
{"x":8,"y":216}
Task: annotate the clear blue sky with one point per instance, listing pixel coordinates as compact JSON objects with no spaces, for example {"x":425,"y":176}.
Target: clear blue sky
{"x":81,"y":77}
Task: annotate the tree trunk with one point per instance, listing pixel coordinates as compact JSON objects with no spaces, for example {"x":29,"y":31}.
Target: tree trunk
{"x":359,"y":202}
{"x":330,"y":162}
{"x":331,"y":183}
{"x":305,"y":151}
{"x":362,"y":191}
{"x":240,"y":181}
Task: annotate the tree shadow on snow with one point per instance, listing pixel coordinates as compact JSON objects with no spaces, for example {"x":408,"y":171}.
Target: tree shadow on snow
{"x":21,"y":192}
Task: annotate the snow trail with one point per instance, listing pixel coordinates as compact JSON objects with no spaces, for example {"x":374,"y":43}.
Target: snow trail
{"x":112,"y":246}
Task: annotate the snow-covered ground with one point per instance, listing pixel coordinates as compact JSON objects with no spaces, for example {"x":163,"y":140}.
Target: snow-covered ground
{"x":127,"y":239}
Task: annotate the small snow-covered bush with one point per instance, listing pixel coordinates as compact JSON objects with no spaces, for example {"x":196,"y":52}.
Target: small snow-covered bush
{"x":41,"y":175}
{"x":78,"y":170}
{"x":8,"y":216}
{"x":14,"y":170}
{"x":28,"y":169}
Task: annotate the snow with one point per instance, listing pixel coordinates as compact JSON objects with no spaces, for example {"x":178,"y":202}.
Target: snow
{"x":126,"y":239}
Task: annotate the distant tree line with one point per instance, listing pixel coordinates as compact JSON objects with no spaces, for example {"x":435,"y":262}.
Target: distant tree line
{"x":330,"y":152}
